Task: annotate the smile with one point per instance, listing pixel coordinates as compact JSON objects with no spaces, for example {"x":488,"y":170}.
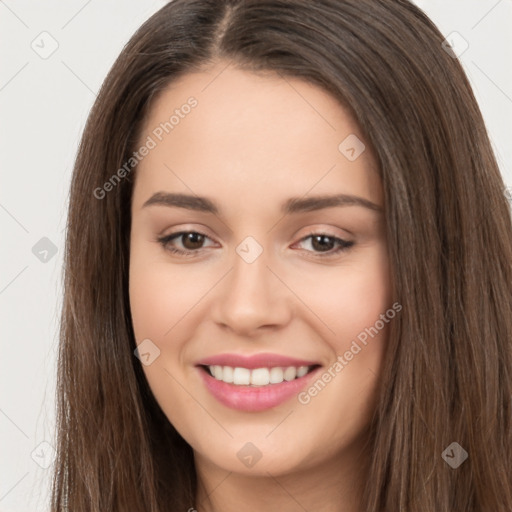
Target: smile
{"x":257,"y":376}
{"x":258,"y":389}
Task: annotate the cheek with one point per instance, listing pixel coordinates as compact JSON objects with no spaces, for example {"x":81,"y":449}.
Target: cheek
{"x":350,"y":298}
{"x":365,"y":297}
{"x":151,"y":307}
{"x":160,"y":295}
{"x":351,"y":306}
{"x":159,"y":300}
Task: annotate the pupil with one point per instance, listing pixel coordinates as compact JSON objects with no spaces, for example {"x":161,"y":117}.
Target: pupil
{"x":196,"y":240}
{"x":319,"y":242}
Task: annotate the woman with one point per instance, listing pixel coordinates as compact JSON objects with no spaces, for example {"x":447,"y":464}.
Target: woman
{"x":288,"y":273}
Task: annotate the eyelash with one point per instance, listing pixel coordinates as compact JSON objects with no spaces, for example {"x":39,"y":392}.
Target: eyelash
{"x":344,"y":245}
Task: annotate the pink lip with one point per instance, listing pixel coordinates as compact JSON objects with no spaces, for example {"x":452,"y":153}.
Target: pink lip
{"x":255,"y":398}
{"x":264,"y":360}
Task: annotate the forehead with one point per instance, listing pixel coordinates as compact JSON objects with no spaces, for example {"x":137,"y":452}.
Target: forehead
{"x":252,"y":136}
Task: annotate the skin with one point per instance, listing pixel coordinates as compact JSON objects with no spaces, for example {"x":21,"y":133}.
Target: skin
{"x":252,"y":142}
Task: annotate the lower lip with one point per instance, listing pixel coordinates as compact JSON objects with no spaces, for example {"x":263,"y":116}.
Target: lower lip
{"x":251,"y":398}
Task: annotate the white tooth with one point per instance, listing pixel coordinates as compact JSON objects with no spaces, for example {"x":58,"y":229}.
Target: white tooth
{"x":301,"y":371}
{"x":260,"y":377}
{"x":241,"y":376}
{"x":217,"y":372}
{"x":290,"y":373}
{"x":276,"y":375}
{"x":227,"y":374}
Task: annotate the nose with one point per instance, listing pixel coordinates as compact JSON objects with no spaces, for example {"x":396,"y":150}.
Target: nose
{"x":252,"y":298}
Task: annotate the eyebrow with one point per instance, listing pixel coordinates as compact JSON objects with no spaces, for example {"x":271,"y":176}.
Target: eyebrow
{"x":290,"y":206}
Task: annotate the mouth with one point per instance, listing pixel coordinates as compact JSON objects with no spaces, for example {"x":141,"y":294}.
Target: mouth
{"x":256,"y":389}
{"x":257,"y":377}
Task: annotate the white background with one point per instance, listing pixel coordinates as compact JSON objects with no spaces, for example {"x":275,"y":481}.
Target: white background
{"x":43,"y":107}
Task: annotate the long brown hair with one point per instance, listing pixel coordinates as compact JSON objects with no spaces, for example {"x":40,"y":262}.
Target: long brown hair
{"x":448,"y":368}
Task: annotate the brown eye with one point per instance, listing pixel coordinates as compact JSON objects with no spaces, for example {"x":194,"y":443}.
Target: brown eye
{"x":191,"y":242}
{"x":322,"y":242}
{"x":325,"y":245}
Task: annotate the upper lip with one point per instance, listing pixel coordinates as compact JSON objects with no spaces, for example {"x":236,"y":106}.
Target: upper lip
{"x":264,"y":360}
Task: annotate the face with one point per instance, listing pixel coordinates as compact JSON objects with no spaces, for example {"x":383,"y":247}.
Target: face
{"x":226,"y":271}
